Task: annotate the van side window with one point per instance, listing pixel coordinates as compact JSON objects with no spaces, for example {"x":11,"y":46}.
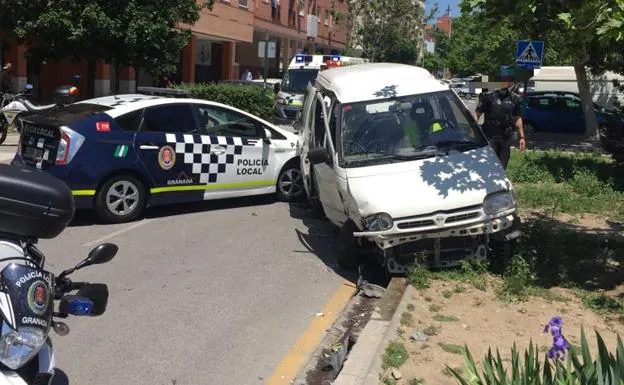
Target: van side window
{"x":319,"y":125}
{"x":333,"y":114}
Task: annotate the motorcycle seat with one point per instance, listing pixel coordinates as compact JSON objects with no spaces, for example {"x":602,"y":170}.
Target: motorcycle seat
{"x":34,"y":107}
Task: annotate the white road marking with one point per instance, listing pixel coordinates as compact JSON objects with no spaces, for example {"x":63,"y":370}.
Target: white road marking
{"x":116,"y":233}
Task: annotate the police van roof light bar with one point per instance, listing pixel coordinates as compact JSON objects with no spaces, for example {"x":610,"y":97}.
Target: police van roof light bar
{"x":161,"y":91}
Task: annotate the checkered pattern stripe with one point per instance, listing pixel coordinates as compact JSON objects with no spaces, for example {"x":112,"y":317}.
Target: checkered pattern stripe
{"x":195,"y":150}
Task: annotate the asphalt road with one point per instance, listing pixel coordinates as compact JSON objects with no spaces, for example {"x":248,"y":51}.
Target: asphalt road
{"x":211,"y":293}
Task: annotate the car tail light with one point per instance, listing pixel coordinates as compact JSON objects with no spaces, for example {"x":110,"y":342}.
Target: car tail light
{"x":69,"y":144}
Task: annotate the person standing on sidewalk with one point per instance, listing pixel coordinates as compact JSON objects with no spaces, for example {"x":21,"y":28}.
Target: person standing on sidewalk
{"x":6,"y":83}
{"x":503,"y":114}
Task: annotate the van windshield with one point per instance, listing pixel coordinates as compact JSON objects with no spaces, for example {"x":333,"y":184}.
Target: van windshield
{"x":296,"y":80}
{"x":408,"y":127}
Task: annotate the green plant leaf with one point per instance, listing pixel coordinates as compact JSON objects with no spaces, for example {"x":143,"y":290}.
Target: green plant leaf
{"x":587,"y":359}
{"x":457,"y":376}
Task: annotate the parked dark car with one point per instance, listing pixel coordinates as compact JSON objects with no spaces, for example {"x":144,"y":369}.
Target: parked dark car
{"x":561,"y":112}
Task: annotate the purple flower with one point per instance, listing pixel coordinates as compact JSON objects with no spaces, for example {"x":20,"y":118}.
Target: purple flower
{"x":560,"y":344}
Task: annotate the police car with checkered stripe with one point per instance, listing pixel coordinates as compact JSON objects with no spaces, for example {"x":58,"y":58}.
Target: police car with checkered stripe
{"x":122,"y":153}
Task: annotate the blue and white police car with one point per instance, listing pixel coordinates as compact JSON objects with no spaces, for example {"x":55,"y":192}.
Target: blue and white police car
{"x":122,"y":153}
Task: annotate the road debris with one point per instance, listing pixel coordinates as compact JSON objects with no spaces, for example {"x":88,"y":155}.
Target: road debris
{"x":419,"y":336}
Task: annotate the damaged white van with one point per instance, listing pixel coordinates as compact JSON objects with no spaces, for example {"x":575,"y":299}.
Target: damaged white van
{"x":401,"y":167}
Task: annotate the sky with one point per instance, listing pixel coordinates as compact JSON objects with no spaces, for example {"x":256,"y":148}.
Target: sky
{"x":442,"y":5}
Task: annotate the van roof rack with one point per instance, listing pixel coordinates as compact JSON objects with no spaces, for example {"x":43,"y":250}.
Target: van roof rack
{"x":161,"y":91}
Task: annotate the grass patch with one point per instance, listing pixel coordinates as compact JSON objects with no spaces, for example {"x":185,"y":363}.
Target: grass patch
{"x":394,"y":356}
{"x":459,"y":289}
{"x":603,"y":304}
{"x":568,"y":183}
{"x":387,"y":380}
{"x":517,"y":279}
{"x":434,"y":308}
{"x":452,"y":348}
{"x":406,"y":319}
{"x":410,"y":307}
{"x":445,"y":318}
{"x":418,"y":275}
{"x":416,"y":381}
{"x":447,"y":294}
{"x":431,"y":330}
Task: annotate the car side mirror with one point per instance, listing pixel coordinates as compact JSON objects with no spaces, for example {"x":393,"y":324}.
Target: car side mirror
{"x":267,"y":136}
{"x":319,"y":155}
{"x":276,"y":88}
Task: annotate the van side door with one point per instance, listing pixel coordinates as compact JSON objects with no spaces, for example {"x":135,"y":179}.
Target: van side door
{"x":326,"y":175}
{"x":304,"y":140}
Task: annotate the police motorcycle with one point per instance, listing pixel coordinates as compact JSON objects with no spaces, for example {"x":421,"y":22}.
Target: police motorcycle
{"x":35,"y":205}
{"x":14,"y":107}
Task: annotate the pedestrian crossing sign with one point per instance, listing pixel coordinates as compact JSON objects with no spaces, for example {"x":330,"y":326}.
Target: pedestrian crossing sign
{"x":529,"y":53}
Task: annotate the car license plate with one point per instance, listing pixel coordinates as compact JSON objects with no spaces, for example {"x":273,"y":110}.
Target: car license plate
{"x":33,"y":153}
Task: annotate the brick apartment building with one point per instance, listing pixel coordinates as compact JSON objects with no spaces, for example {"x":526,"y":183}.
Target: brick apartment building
{"x":224,"y":43}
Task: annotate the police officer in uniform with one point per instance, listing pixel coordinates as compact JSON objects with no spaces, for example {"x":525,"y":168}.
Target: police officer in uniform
{"x":503,"y":114}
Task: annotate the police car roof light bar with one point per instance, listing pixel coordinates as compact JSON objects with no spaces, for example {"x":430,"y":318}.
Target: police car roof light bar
{"x":161,"y":91}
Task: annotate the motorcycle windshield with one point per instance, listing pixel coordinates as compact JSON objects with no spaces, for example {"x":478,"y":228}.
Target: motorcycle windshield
{"x":26,"y":297}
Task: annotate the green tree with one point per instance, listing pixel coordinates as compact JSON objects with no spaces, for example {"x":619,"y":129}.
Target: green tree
{"x":573,"y":22}
{"x":479,"y":45}
{"x":147,"y":34}
{"x":388,"y":30}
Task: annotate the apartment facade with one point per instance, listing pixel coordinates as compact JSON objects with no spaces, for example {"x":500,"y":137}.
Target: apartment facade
{"x":224,"y":43}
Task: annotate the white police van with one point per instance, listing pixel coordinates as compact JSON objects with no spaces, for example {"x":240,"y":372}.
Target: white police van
{"x":399,"y":165}
{"x":302,"y":70}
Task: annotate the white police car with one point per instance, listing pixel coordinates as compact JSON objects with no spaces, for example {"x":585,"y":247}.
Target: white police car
{"x":122,"y":153}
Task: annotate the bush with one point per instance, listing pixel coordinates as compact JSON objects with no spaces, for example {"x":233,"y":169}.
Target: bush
{"x":254,"y":100}
{"x":607,"y":368}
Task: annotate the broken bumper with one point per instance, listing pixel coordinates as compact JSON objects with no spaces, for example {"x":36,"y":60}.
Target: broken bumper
{"x":507,"y":226}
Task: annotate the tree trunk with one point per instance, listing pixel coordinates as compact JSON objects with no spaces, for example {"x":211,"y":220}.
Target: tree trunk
{"x":591,"y":124}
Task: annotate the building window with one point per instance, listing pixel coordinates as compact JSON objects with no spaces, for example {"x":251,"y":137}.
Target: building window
{"x":301,"y":7}
{"x":327,"y":17}
{"x":243,"y":3}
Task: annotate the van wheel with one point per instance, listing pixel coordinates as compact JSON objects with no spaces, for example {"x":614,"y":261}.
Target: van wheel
{"x":121,"y":199}
{"x":347,"y":248}
{"x":290,"y":183}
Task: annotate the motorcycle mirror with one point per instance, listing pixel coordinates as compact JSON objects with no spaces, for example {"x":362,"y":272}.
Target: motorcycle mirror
{"x":100,"y":254}
{"x":28,"y":87}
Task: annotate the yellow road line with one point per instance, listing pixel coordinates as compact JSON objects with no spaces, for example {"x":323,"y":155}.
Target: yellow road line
{"x":288,"y":369}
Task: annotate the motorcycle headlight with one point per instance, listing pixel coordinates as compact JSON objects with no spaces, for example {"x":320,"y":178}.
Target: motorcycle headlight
{"x":378,"y":222}
{"x":499,"y":202}
{"x":17,"y":347}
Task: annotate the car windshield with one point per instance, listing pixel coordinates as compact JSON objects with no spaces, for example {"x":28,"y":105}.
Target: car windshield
{"x":409,"y":127}
{"x":296,"y":80}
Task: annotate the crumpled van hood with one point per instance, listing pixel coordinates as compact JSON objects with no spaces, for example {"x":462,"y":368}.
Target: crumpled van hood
{"x":419,"y":187}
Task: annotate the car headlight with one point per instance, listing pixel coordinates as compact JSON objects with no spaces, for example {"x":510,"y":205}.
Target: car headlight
{"x":499,"y":202}
{"x":378,"y":222}
{"x":19,"y":347}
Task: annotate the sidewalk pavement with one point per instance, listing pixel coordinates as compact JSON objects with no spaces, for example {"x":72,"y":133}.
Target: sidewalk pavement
{"x":9,"y":147}
{"x":363,"y":364}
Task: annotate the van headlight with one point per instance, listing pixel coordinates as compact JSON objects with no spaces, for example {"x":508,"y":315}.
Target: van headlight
{"x":499,"y":202}
{"x":378,"y":222}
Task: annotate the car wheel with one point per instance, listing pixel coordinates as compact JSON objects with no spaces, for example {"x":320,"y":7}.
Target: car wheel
{"x":290,"y":183}
{"x":347,"y":248}
{"x":121,"y":199}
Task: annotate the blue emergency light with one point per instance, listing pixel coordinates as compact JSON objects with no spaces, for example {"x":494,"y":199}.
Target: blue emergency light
{"x":303,"y":58}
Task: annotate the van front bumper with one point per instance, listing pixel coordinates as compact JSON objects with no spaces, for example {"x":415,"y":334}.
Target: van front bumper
{"x":505,"y":228}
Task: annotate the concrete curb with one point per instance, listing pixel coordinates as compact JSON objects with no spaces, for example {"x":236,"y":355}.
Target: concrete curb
{"x":372,"y":377}
{"x":363,"y":364}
